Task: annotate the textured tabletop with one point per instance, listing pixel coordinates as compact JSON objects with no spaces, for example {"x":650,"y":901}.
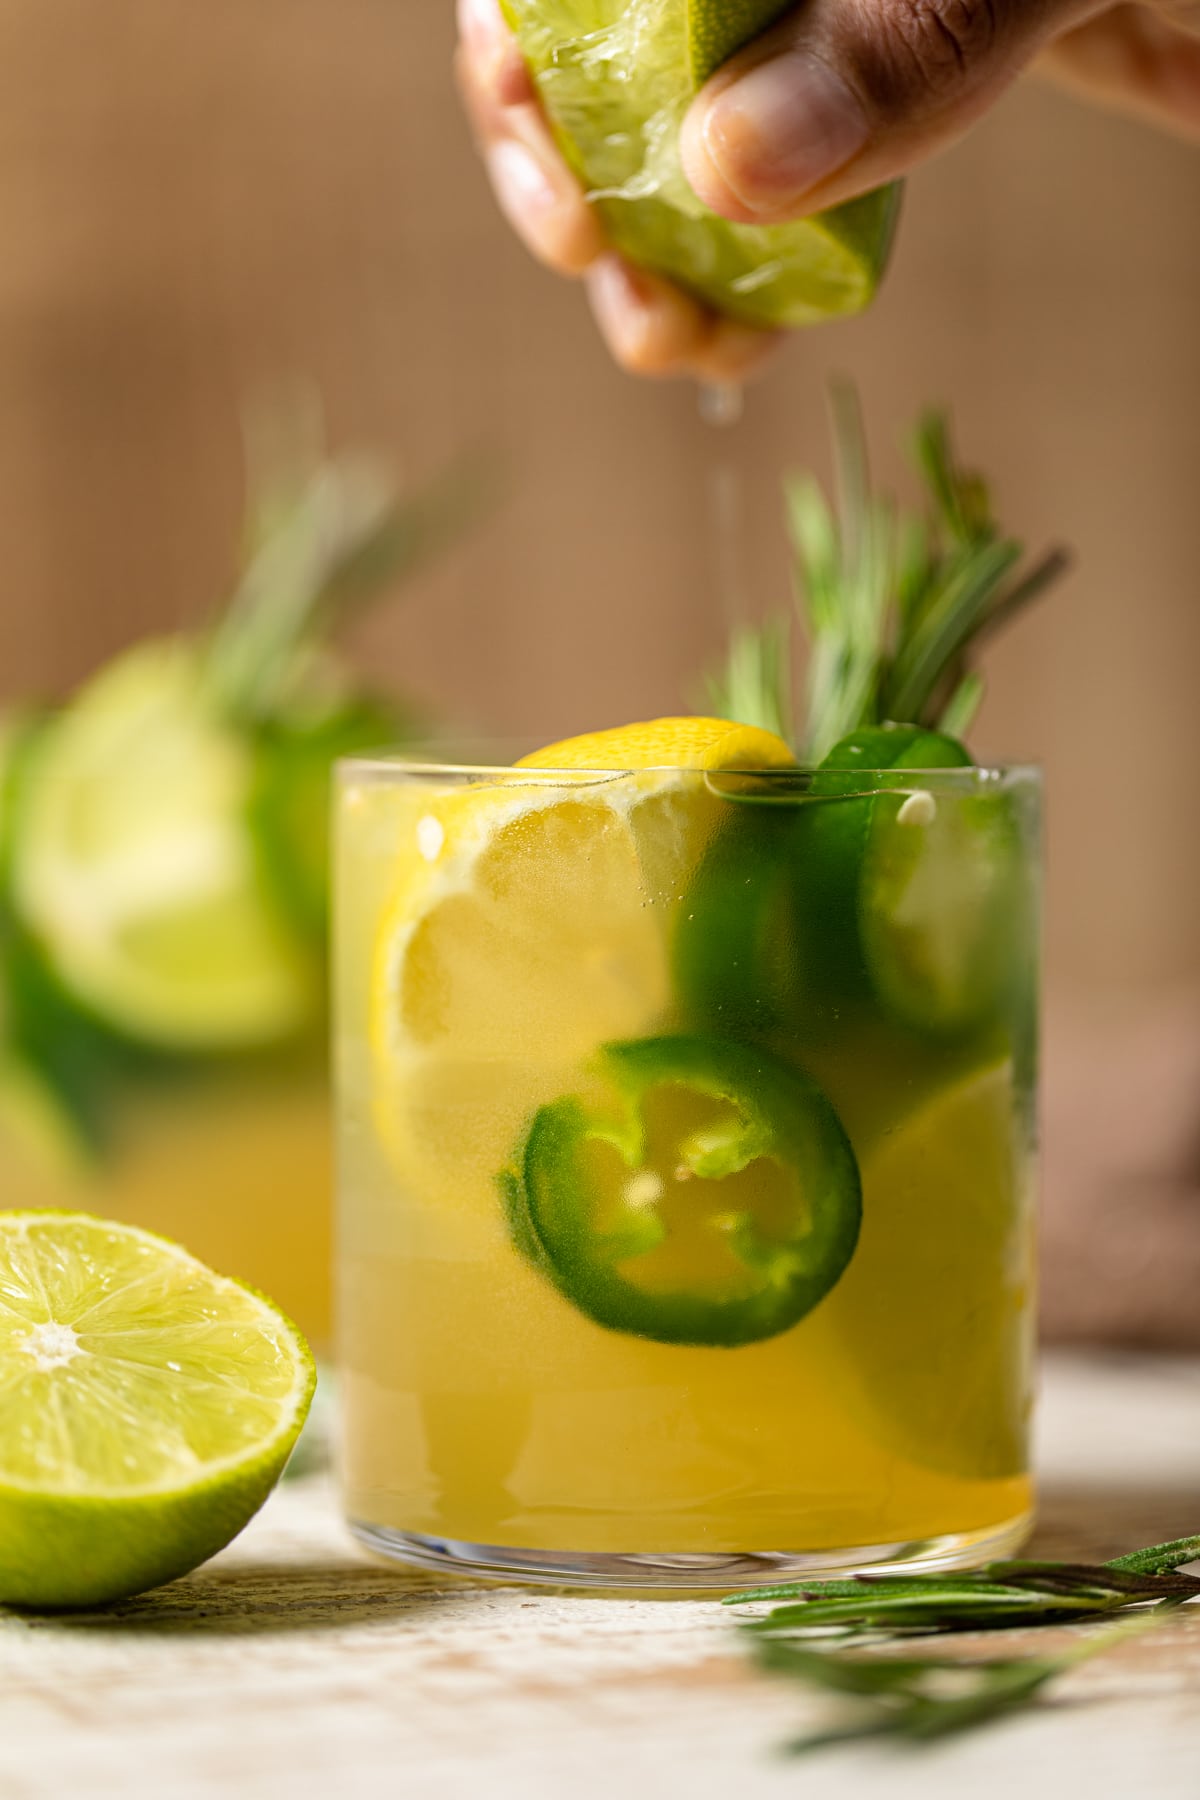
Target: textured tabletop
{"x":291,"y":1666}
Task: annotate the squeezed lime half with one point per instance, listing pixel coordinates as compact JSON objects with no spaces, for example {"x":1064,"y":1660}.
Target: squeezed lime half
{"x":616,"y":78}
{"x":147,"y":1408}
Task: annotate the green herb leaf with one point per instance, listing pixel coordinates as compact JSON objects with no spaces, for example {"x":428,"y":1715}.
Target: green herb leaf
{"x":922,"y":1698}
{"x":895,"y":604}
{"x":1160,"y":1559}
{"x":324,"y":534}
{"x":755,"y":685}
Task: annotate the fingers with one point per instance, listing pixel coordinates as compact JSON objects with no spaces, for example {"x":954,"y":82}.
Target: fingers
{"x":650,"y":326}
{"x":487,"y":46}
{"x":535,"y":190}
{"x":846,"y":94}
{"x":653,"y":328}
{"x":1136,"y":62}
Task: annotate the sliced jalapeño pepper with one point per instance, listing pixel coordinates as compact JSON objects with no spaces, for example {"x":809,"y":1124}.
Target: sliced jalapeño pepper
{"x":706,"y":1193}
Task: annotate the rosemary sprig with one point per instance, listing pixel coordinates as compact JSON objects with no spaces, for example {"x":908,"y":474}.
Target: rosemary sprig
{"x":895,"y":604}
{"x":324,"y":533}
{"x":921,"y":1697}
{"x":755,"y":686}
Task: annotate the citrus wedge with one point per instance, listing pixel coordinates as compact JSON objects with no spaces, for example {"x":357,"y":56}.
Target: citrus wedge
{"x":942,"y":1274}
{"x":524,"y":929}
{"x":616,"y":78}
{"x":147,"y":1407}
{"x":688,"y":743}
{"x":133,"y":863}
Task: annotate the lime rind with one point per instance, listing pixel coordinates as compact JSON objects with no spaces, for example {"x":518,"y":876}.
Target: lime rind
{"x":147,"y":1408}
{"x":717,"y":32}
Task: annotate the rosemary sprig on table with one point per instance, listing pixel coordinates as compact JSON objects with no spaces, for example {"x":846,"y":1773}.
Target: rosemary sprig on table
{"x":895,"y":604}
{"x":923,"y":1697}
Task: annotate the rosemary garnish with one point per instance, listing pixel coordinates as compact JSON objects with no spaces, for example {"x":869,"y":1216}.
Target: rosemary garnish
{"x":895,"y":604}
{"x":922,"y":1697}
{"x":324,"y":534}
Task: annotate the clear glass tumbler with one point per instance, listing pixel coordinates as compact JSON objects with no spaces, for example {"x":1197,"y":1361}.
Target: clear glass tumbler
{"x":686,"y":1136}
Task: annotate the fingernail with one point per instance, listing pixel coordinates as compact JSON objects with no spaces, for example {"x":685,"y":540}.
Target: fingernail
{"x":617,"y":290}
{"x":488,"y":43}
{"x":481,"y":26}
{"x":649,"y":329}
{"x":522,"y":186}
{"x":779,"y":130}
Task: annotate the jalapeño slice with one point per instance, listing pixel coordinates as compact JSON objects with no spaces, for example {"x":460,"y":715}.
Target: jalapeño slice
{"x":710,"y":1197}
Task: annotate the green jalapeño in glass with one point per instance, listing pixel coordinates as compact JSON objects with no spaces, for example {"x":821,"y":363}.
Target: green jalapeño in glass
{"x":686,"y":1140}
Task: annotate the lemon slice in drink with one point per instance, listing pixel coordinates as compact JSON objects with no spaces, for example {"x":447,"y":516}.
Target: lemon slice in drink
{"x":134,"y":864}
{"x":935,"y":1310}
{"x":147,"y":1407}
{"x":686,"y":743}
{"x":523,"y":929}
{"x":616,"y":78}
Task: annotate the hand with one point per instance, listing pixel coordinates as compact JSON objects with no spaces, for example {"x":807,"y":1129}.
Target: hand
{"x":651,"y":326}
{"x":839,"y":97}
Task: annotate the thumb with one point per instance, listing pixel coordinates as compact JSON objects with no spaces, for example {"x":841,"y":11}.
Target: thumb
{"x":845,"y":94}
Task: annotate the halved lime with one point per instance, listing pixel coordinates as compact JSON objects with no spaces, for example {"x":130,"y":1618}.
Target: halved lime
{"x":147,"y":1408}
{"x":616,"y":80}
{"x":134,"y":865}
{"x":935,"y":1312}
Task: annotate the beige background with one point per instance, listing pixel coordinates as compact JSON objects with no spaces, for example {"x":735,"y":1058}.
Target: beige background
{"x":199,"y":197}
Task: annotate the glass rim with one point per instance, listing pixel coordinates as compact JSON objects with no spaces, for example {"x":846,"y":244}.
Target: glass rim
{"x":400,"y":765}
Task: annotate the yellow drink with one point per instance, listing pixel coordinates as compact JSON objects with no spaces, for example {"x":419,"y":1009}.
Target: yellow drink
{"x":233,"y":1163}
{"x":580,"y":1336}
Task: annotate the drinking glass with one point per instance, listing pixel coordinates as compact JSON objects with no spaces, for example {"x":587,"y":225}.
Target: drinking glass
{"x":685,"y":1166}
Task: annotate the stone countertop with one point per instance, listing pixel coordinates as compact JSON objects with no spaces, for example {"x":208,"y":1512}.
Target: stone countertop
{"x":292,"y":1666}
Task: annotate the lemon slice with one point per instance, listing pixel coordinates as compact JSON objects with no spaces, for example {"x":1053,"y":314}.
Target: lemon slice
{"x":147,"y":1407}
{"x":134,"y":864}
{"x":935,"y":1311}
{"x":525,"y":927}
{"x":686,"y":743}
{"x":616,"y":80}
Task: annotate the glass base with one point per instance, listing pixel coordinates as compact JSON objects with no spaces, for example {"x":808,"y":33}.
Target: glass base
{"x":722,"y":1573}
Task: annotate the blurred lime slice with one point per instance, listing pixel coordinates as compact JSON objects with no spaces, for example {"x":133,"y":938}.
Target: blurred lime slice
{"x":45,"y":1046}
{"x":943,"y":1268}
{"x":616,"y":78}
{"x":147,"y":1407}
{"x":134,"y":865}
